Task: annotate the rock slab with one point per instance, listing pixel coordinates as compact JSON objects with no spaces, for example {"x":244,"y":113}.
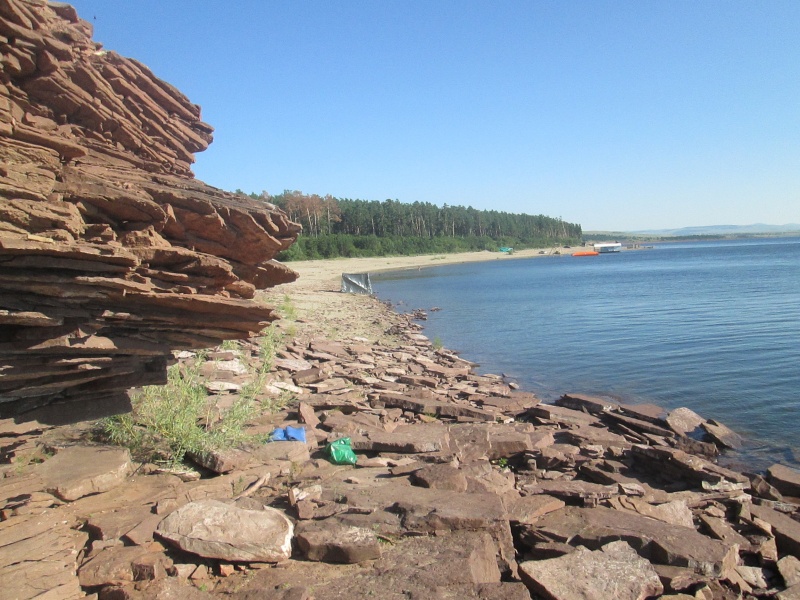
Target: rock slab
{"x":83,"y":470}
{"x":337,"y":544}
{"x":614,"y":571}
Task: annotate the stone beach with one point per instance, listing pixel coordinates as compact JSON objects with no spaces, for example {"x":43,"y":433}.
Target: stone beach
{"x":116,"y":263}
{"x":463,"y":486}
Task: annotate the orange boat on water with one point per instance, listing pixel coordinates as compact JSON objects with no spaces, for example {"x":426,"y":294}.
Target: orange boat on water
{"x":586,"y":253}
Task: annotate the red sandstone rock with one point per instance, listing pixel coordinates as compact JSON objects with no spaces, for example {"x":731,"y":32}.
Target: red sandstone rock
{"x":111,"y":254}
{"x":615,"y":571}
{"x":785,"y":480}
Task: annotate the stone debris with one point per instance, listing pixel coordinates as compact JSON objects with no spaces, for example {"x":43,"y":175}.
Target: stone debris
{"x":524,"y":497}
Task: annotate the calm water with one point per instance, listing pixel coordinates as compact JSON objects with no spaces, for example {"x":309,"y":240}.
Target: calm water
{"x":712,"y":326}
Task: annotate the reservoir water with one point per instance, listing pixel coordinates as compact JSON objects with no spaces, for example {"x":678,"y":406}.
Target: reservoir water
{"x":714,"y":326}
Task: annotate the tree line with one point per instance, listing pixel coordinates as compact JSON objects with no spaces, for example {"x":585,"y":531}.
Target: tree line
{"x":335,"y":227}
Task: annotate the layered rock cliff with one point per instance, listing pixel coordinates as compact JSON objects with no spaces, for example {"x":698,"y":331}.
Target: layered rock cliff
{"x":111,"y":253}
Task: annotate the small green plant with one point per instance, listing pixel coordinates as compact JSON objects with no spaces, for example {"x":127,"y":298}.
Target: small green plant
{"x":267,"y":348}
{"x":170,"y":420}
{"x":287,"y":309}
{"x":502,"y":462}
{"x":437,"y":343}
{"x":230,"y":345}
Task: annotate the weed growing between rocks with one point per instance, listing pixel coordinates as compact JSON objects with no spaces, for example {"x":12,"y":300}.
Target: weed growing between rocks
{"x":287,"y":309}
{"x":170,"y":421}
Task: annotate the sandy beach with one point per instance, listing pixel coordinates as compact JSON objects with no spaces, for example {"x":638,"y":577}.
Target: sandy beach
{"x":325,"y":274}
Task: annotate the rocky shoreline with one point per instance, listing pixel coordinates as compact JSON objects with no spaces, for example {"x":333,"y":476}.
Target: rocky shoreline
{"x":464,"y":486}
{"x":116,"y":262}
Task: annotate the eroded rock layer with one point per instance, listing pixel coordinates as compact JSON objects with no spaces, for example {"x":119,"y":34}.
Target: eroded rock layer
{"x":111,"y":253}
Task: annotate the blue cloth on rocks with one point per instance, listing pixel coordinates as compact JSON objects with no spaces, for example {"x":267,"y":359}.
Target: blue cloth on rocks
{"x":289,"y":434}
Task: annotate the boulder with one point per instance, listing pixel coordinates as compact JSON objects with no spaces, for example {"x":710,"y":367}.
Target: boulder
{"x":222,"y":461}
{"x":214,"y":529}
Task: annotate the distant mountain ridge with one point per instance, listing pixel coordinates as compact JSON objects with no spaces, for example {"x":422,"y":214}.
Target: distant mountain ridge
{"x":721,"y":230}
{"x":754,"y":229}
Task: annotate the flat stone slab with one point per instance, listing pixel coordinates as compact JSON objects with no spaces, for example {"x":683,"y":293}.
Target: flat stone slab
{"x":615,"y":571}
{"x":328,"y":541}
{"x":785,"y":529}
{"x":640,"y":425}
{"x":722,"y":434}
{"x":594,"y":435}
{"x":562,"y":415}
{"x":785,"y":480}
{"x":659,"y":542}
{"x":434,"y":407}
{"x":679,"y":464}
{"x":214,"y":529}
{"x":417,"y":440}
{"x":684,"y":420}
{"x":675,"y":512}
{"x":79,"y":471}
{"x":573,"y":489}
{"x":38,"y":553}
{"x":592,"y":404}
{"x":291,"y":451}
{"x":528,"y":509}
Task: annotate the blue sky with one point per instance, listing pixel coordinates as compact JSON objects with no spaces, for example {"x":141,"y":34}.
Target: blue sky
{"x":617,"y":115}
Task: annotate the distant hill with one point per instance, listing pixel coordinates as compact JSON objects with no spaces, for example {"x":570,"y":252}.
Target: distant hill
{"x":722,"y":230}
{"x":709,"y":230}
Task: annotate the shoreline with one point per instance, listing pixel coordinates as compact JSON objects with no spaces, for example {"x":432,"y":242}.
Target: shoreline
{"x":452,"y":468}
{"x":312,"y":272}
{"x":319,"y":277}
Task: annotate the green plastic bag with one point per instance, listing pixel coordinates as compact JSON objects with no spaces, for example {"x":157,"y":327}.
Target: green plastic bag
{"x":341,"y":452}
